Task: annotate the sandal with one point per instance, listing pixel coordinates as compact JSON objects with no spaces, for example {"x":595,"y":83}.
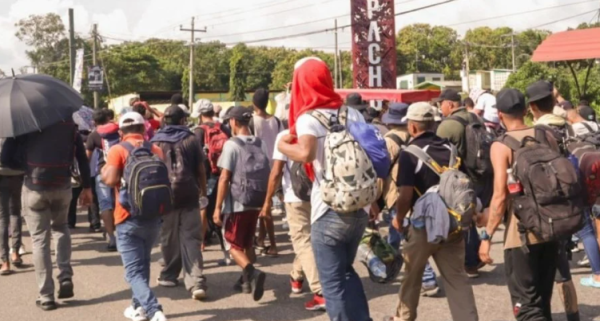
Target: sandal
{"x":5,"y":271}
{"x":261,"y":248}
{"x":265,"y":252}
{"x":18,"y":262}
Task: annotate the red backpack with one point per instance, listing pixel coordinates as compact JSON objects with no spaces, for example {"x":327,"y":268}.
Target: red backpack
{"x":214,"y":139}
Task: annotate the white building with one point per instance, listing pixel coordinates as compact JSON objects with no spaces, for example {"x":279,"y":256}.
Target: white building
{"x":483,"y":79}
{"x":410,"y":81}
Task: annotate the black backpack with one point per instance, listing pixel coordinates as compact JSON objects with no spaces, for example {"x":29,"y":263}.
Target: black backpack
{"x":551,"y":205}
{"x":182,"y":175}
{"x":251,"y":177}
{"x":301,"y":184}
{"x":478,"y":141}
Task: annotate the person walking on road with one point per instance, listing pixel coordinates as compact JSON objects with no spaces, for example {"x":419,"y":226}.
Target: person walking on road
{"x":245,"y":169}
{"x":335,"y":236}
{"x":135,"y":236}
{"x":11,"y":183}
{"x":49,"y":158}
{"x":182,"y":228}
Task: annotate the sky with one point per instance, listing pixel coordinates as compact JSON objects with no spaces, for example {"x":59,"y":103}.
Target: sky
{"x":141,"y":19}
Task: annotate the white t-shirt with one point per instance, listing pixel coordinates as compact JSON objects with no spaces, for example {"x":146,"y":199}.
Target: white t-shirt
{"x":288,"y":193}
{"x":580,"y":129}
{"x":308,"y":125}
{"x":267,"y":130}
{"x":487,"y":103}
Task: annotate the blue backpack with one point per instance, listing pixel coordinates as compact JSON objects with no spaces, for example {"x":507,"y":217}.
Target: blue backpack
{"x":145,"y":188}
{"x":371,"y":140}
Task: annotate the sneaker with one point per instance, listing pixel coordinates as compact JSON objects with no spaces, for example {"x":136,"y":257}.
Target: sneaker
{"x":316,"y":304}
{"x":585,"y":262}
{"x":257,"y":283}
{"x":46,"y":306}
{"x":590,"y":282}
{"x":198,"y":294}
{"x":224,"y":262}
{"x":296,"y":286}
{"x":472,"y":272}
{"x":65,"y":291}
{"x":135,"y":314}
{"x":159,"y":316}
{"x":167,"y":283}
{"x":241,"y":286}
{"x":430,"y":290}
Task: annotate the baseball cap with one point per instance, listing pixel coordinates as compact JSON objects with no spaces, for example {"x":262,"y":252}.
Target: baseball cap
{"x":588,"y":113}
{"x":510,"y":101}
{"x":176,"y":113}
{"x":566,"y":105}
{"x":131,"y":119}
{"x":451,"y":95}
{"x":539,"y":90}
{"x":238,"y":113}
{"x":355,"y":101}
{"x":202,"y":106}
{"x":420,"y":112}
{"x":395,"y":114}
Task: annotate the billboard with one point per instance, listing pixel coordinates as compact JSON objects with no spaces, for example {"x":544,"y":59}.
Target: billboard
{"x":373,"y":43}
{"x":78,"y":70}
{"x":95,"y":78}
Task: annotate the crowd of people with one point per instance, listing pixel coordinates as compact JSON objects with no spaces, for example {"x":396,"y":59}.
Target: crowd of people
{"x":188,"y":175}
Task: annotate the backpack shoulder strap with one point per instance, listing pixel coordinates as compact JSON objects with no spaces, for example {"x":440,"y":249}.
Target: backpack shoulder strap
{"x":128,"y":146}
{"x":396,"y":139}
{"x":278,"y":123}
{"x":240,"y":142}
{"x":510,"y":142}
{"x":321,"y":118}
{"x":461,"y":120}
{"x":251,"y":126}
{"x":424,"y":157}
{"x":588,"y":127}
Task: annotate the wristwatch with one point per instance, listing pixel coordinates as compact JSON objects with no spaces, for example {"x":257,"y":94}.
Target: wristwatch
{"x":484,"y":236}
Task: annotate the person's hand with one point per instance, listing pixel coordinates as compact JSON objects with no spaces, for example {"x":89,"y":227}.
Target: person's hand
{"x":265,"y":213}
{"x":217,"y":217}
{"x":484,"y":252}
{"x":86,"y":197}
{"x":288,"y":138}
{"x":398,"y":225}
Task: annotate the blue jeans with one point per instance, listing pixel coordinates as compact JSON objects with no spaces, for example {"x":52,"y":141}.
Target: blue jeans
{"x":472,"y":243}
{"x":335,"y":239}
{"x":394,"y":239}
{"x":106,"y":196}
{"x":590,"y":243}
{"x":135,"y":239}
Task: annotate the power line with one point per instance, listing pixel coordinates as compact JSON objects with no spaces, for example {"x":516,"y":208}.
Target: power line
{"x":308,"y":33}
{"x":563,"y":19}
{"x":519,"y":13}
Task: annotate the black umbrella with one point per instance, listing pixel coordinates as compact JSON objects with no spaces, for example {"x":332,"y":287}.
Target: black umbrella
{"x":30,"y":103}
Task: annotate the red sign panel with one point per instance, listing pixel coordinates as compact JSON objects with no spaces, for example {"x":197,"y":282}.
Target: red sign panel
{"x":373,"y":43}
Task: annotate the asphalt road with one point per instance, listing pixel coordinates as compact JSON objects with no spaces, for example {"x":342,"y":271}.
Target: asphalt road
{"x":102,"y":294}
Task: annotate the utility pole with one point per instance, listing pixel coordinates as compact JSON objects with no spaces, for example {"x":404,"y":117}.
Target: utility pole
{"x":71,"y":46}
{"x":512,"y":44}
{"x":94,"y":61}
{"x":335,"y":55}
{"x":341,"y":67}
{"x":192,"y":31}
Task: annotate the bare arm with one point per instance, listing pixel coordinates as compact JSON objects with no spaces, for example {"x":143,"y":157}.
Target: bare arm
{"x":224,"y":180}
{"x":403,"y":204}
{"x":305,"y":151}
{"x":111,"y":175}
{"x":500,"y":155}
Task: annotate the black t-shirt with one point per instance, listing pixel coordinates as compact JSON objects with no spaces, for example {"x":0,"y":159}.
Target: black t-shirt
{"x":438,"y":148}
{"x":94,"y":142}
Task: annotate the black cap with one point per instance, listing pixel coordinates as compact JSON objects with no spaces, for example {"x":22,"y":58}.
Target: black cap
{"x":175,"y":113}
{"x":451,"y":95}
{"x":355,"y":101}
{"x":588,"y":113}
{"x":539,"y":90}
{"x":510,"y":101}
{"x":238,"y":113}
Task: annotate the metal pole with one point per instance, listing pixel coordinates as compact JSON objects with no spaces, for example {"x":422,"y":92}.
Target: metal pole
{"x":468,"y":71}
{"x":335,"y":55}
{"x":191,"y":85}
{"x":340,"y":67}
{"x":94,"y":61}
{"x":71,"y":46}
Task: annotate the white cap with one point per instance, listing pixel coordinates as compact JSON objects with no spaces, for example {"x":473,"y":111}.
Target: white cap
{"x":131,"y":119}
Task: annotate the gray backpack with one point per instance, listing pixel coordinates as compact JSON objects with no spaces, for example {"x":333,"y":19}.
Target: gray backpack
{"x":252,"y":170}
{"x":455,"y":188}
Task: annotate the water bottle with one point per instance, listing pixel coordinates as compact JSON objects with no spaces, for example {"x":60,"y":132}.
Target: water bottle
{"x":514,"y":185}
{"x":375,"y":265}
{"x":417,"y":224}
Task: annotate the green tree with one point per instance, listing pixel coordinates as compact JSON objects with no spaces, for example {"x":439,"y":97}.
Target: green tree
{"x":423,"y":48}
{"x":237,"y":70}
